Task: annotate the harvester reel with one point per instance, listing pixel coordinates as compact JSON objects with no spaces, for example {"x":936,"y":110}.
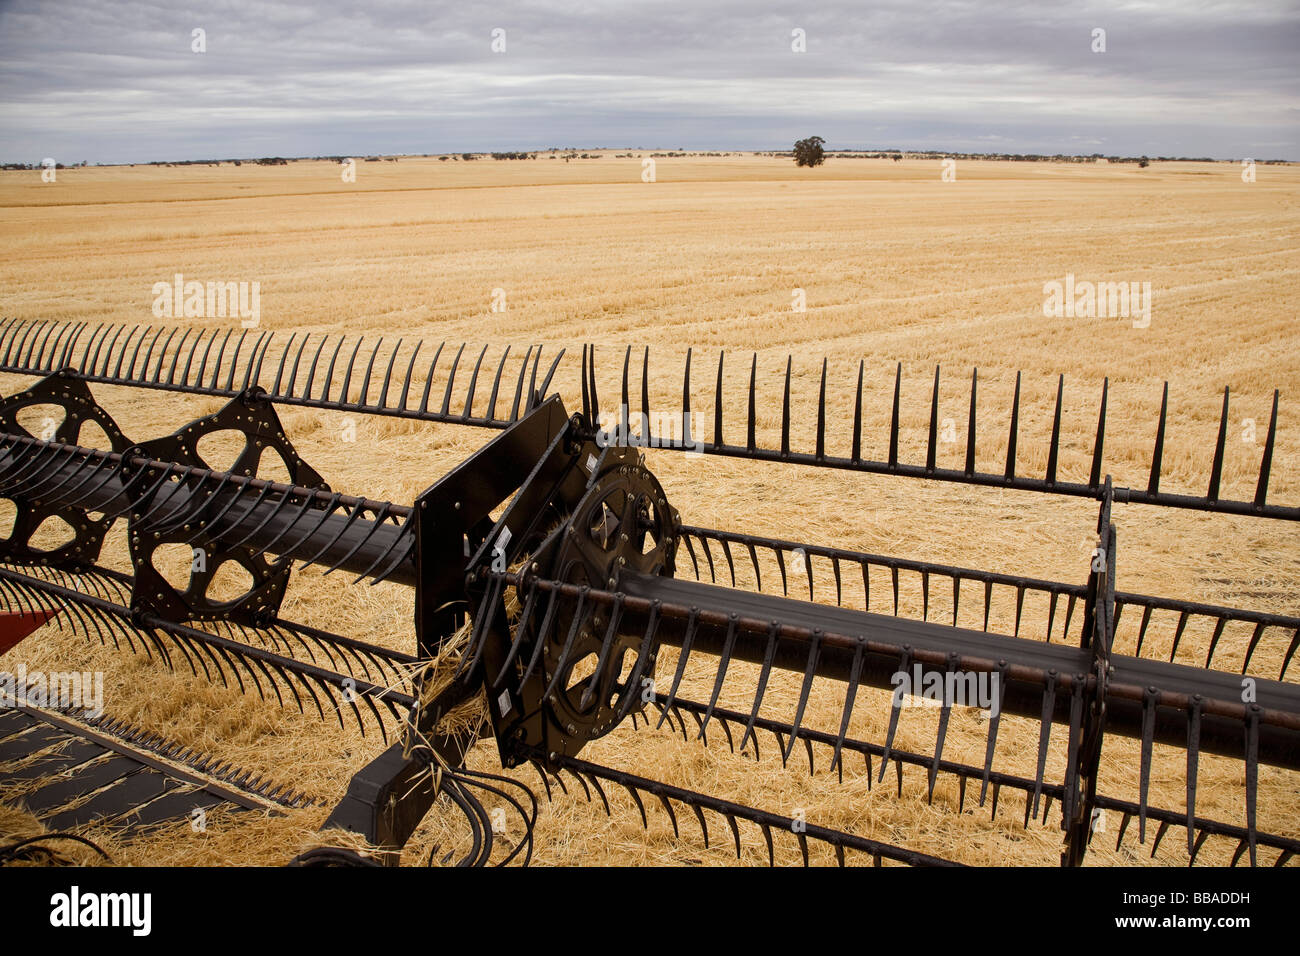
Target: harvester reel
{"x":207,"y":530}
{"x":69,"y":393}
{"x":623,"y":523}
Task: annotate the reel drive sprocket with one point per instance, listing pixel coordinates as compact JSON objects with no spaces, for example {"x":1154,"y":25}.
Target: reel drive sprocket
{"x":623,"y":523}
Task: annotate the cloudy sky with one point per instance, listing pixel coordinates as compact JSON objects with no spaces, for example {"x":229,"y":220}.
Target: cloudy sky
{"x":119,"y":81}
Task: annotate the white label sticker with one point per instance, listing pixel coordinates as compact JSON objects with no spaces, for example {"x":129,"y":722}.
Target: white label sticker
{"x":503,"y":538}
{"x":504,"y":702}
{"x":591,"y":464}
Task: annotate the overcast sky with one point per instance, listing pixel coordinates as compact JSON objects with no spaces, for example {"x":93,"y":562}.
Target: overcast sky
{"x":119,"y":81}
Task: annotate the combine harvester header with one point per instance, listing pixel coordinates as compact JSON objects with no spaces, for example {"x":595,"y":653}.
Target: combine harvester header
{"x":555,"y":611}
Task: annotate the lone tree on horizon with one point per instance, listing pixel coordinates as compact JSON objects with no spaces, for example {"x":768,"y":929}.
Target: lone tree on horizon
{"x":809,"y":152}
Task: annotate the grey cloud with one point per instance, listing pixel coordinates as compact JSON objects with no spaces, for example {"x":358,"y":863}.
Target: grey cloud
{"x":117,"y":82}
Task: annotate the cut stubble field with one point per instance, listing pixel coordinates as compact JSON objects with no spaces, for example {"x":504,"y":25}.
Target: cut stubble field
{"x":895,"y":266}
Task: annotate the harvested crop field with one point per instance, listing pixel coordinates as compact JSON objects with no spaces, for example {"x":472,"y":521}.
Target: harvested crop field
{"x":892,"y":265}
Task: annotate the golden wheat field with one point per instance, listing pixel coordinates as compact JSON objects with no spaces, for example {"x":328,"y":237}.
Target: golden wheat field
{"x":895,"y":265}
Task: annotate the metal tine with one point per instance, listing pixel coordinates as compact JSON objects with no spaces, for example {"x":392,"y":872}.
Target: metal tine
{"x":944,"y":713}
{"x":785,"y":410}
{"x":810,"y":671}
{"x":855,"y":674}
{"x":839,"y":584}
{"x":47,"y":362}
{"x":221,"y":353}
{"x":821,"y":416}
{"x":1044,"y":735}
{"x":325,"y":512}
{"x":645,"y":396}
{"x":1015,"y":428}
{"x":66,"y":359}
{"x":550,"y":373}
{"x":1178,"y":634}
{"x":1142,"y":630}
{"x":1216,"y":469}
{"x":496,"y":385}
{"x":728,"y":645}
{"x":542,"y":632}
{"x":406,"y":530}
{"x":780,"y":563}
{"x":687,"y":641}
{"x":121,"y":355}
{"x":1252,"y":775}
{"x":956,"y":601}
{"x":1054,"y":449}
{"x":279,"y":374}
{"x":7,"y":331}
{"x":293,"y":374}
{"x":1148,"y":733}
{"x":893,"y":574}
{"x":970,"y":428}
{"x":95,"y":369}
{"x":894,"y":710}
{"x":764,"y":673}
{"x":1020,"y":605}
{"x":567,"y":648}
{"x":347,"y":375}
{"x":473,"y":385}
{"x":717,"y":400}
{"x":234,"y":360}
{"x":356,"y":512}
{"x":591,"y":371}
{"x":207,"y":527}
{"x":615,"y":616}
{"x":934,"y":423}
{"x":1094,"y":478}
{"x":634,"y":679}
{"x":686,"y":394}
{"x":1153,"y":486}
{"x":171,"y":369}
{"x":189,"y":359}
{"x":85,"y":353}
{"x":388,"y":374}
{"x":1214,"y":639}
{"x":925,"y":595}
{"x":1261,"y":490}
{"x":428,"y":381}
{"x":893,"y":420}
{"x":34,"y":333}
{"x":856,"y":454}
{"x":1069,"y":613}
{"x":866,"y":585}
{"x":364,"y":393}
{"x":753,"y":417}
{"x":329,"y":373}
{"x":39,"y":350}
{"x":15,"y":344}
{"x":203,"y":368}
{"x":1193,"y":758}
{"x":162,"y":356}
{"x":376,"y":522}
{"x":586,"y":390}
{"x":519,"y":385}
{"x":451,"y":380}
{"x":531,"y":399}
{"x":624,"y":412}
{"x":1290,"y":652}
{"x":253,"y":373}
{"x":44,"y":362}
{"x":311,"y":370}
{"x":68,"y":344}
